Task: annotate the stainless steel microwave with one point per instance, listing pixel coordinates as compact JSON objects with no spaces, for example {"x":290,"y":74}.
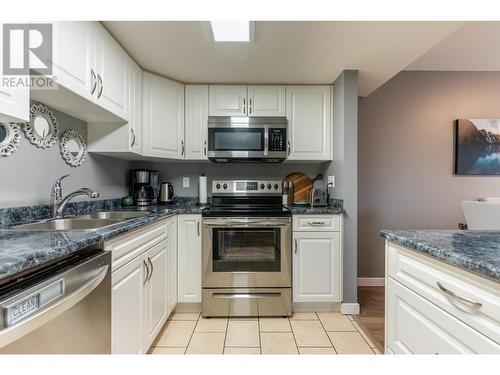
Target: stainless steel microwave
{"x":247,"y":139}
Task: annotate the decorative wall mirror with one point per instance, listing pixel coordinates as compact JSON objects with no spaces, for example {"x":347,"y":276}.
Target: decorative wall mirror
{"x":10,"y":137}
{"x":42,"y":129}
{"x":73,"y":148}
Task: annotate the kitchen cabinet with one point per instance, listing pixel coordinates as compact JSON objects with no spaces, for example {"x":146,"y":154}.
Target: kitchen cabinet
{"x":266,"y":101}
{"x":14,"y":101}
{"x":116,"y":139}
{"x":308,"y":111}
{"x":163,"y":117}
{"x":196,"y":121}
{"x":172,"y":264}
{"x":317,"y":261}
{"x":227,"y":100}
{"x":189,"y":258}
{"x":423,"y":318}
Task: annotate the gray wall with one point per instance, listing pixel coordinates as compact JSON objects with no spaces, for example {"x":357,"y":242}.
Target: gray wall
{"x":406,"y":155}
{"x":174,"y":171}
{"x":28,"y":174}
{"x":344,"y":167}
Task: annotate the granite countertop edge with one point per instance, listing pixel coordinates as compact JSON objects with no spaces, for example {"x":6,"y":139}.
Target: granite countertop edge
{"x":454,"y":247}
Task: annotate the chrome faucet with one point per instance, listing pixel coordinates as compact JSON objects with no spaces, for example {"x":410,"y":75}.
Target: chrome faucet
{"x":57,"y":202}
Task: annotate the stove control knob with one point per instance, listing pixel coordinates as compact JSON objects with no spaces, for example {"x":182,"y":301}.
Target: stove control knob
{"x":217,"y":186}
{"x":275,"y":186}
{"x":224,"y":186}
{"x":269,"y":186}
{"x":262,"y":186}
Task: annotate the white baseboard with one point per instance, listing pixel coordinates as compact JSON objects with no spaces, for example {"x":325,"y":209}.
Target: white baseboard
{"x":350,"y":308}
{"x":371,"y":281}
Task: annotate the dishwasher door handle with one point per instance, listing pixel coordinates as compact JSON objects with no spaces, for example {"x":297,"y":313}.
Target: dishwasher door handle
{"x":45,"y":315}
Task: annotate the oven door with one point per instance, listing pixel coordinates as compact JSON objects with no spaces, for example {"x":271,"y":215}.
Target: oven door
{"x":237,"y":142}
{"x":246,"y":253}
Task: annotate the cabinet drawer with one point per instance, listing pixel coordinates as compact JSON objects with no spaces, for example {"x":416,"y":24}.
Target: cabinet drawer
{"x":316,"y":223}
{"x":129,"y":245}
{"x":416,"y":326}
{"x":425,"y":275}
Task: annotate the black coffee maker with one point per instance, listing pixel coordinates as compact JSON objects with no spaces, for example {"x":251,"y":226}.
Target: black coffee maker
{"x":140,"y":186}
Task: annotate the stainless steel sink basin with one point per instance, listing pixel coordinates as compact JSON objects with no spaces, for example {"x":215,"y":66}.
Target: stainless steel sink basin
{"x":118,"y":215}
{"x":69,"y":224}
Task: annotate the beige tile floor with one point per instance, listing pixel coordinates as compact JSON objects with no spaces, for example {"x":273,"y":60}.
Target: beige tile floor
{"x":302,"y":333}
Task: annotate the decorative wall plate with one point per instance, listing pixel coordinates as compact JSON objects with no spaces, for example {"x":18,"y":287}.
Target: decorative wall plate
{"x":42,"y":129}
{"x":10,"y":137}
{"x":73,"y":148}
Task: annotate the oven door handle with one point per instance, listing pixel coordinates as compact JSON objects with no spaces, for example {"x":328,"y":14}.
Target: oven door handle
{"x":245,"y":295}
{"x":256,"y":223}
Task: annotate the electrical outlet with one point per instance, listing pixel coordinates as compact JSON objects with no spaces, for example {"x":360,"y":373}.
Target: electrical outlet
{"x":185,"y":182}
{"x":331,"y":181}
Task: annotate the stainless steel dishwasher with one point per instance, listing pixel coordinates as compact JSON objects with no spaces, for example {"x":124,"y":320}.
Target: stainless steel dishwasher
{"x":62,"y":308}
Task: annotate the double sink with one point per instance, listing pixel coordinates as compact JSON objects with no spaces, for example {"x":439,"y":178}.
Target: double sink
{"x":93,"y":221}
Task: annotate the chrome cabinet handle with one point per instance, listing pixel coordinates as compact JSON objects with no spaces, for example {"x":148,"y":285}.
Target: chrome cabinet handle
{"x":296,"y":246}
{"x":133,"y":137}
{"x":94,"y":81}
{"x":101,"y":85}
{"x":250,"y":106}
{"x":244,"y":106}
{"x":205,"y":148}
{"x":152,"y":268}
{"x":198,"y":228}
{"x":182,"y":147}
{"x":147,"y":272}
{"x":316,"y":223}
{"x":460,"y":298}
{"x":289,"y":148}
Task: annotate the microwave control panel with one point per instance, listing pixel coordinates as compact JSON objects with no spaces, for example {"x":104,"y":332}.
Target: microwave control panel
{"x":277,"y":139}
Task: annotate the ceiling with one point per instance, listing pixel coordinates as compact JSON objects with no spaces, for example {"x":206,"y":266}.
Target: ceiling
{"x":473,"y":47}
{"x":282,"y":52}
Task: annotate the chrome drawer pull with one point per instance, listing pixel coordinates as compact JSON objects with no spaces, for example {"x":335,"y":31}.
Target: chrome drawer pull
{"x":463,"y":299}
{"x":316,"y":223}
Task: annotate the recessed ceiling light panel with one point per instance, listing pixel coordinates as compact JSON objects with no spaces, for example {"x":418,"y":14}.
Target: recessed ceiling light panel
{"x":232,"y":31}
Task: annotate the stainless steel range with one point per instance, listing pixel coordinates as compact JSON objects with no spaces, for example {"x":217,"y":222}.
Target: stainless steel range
{"x":246,"y":250}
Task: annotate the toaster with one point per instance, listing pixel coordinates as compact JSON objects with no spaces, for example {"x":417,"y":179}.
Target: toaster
{"x":318,"y":197}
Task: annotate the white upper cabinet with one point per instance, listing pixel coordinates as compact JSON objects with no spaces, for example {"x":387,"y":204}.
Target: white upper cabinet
{"x":227,"y":100}
{"x":308,"y":111}
{"x":14,"y":101}
{"x":196,"y":121}
{"x":73,"y":57}
{"x":112,"y":74}
{"x":135,"y":108}
{"x":266,"y":101}
{"x":163,"y":117}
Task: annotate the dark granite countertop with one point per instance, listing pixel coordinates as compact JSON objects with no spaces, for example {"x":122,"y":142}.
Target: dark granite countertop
{"x":476,"y":251}
{"x":306,"y":210}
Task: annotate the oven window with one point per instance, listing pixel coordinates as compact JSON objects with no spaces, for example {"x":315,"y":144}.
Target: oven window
{"x":237,"y":139}
{"x":246,"y":250}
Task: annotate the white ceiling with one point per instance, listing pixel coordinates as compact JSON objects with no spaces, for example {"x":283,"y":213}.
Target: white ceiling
{"x":282,"y":52}
{"x":473,"y":47}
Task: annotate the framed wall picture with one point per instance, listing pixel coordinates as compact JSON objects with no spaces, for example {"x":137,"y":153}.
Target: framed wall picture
{"x":477,"y":147}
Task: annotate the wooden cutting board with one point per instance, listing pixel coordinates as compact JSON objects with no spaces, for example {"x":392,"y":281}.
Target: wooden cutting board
{"x":302,"y":185}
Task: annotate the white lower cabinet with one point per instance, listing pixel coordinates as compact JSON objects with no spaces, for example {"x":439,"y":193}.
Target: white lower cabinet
{"x":317,"y":263}
{"x":421,"y":318}
{"x":142,"y":294}
{"x":189,"y":258}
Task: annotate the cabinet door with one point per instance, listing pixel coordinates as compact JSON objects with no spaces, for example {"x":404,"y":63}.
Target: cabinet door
{"x":317,"y":267}
{"x":309,"y":122}
{"x":189,"y":258}
{"x":127,"y":319}
{"x":172,"y":265}
{"x":14,"y":101}
{"x":196,"y":121}
{"x":156,"y":289}
{"x":163,"y":117}
{"x":135,"y":108}
{"x":266,"y":101}
{"x":74,"y":57}
{"x":227,"y":100}
{"x":417,"y":326}
{"x":112,"y":74}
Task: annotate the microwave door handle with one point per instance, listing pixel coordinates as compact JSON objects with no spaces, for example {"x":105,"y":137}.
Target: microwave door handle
{"x":266,"y":140}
